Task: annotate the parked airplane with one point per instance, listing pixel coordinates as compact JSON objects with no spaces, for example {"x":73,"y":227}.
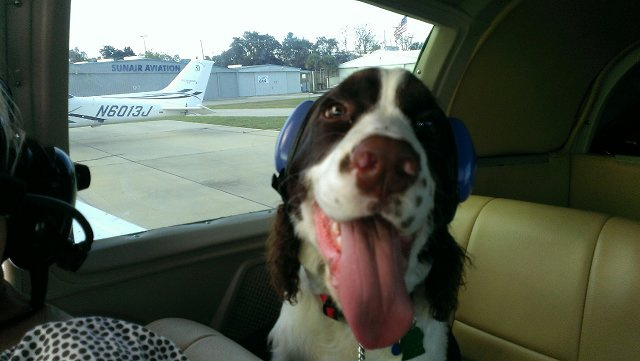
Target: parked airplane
{"x":182,"y":96}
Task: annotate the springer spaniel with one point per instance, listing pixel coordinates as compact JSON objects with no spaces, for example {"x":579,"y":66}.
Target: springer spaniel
{"x":360,"y":250}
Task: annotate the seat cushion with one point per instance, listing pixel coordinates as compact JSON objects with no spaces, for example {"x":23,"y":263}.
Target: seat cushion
{"x":611,"y":322}
{"x":200,"y":342}
{"x":528,"y":280}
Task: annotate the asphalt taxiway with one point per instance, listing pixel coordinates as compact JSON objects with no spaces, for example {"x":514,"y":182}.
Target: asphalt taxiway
{"x":161,"y":173}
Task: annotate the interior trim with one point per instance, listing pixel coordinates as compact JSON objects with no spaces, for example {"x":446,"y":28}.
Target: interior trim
{"x":121,"y":251}
{"x":596,"y":101}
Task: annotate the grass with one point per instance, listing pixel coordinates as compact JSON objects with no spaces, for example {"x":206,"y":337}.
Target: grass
{"x":274,"y":123}
{"x":282,"y":103}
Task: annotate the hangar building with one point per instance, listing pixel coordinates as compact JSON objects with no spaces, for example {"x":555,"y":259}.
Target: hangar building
{"x":380,"y":58}
{"x":129,"y":76}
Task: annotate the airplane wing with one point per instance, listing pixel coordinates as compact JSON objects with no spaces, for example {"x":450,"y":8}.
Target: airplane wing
{"x":104,"y":224}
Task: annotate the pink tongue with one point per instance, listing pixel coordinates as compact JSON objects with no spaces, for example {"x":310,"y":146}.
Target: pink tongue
{"x":370,"y":284}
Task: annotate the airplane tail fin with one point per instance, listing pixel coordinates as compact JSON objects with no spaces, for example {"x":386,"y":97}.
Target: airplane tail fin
{"x":192,"y":82}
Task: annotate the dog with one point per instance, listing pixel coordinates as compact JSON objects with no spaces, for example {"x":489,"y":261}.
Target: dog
{"x":360,"y":250}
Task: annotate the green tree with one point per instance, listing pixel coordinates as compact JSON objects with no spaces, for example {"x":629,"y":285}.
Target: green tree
{"x":77,"y":55}
{"x":234,"y":55}
{"x":317,"y":62}
{"x":150,"y":54}
{"x":295,"y":51}
{"x":127,"y":51}
{"x":344,"y":56}
{"x":252,"y":48}
{"x":256,"y":49}
{"x":324,"y":46}
{"x":109,"y":52}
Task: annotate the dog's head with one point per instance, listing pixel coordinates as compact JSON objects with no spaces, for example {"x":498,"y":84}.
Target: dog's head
{"x":370,"y":184}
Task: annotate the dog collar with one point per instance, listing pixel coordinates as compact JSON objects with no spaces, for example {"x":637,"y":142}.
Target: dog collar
{"x":409,"y":346}
{"x":329,"y":308}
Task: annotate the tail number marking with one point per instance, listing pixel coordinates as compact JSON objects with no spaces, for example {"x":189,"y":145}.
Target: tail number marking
{"x":123,"y":111}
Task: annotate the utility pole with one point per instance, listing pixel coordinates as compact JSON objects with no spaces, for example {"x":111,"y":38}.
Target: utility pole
{"x":145,"y":44}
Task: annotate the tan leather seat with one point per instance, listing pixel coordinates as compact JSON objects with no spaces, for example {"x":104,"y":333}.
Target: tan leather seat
{"x":197,"y":341}
{"x":547,"y":283}
{"x":200,"y":342}
{"x":248,"y":310}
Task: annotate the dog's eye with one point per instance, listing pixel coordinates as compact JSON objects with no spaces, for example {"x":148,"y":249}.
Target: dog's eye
{"x":335,"y":111}
{"x":424,"y":122}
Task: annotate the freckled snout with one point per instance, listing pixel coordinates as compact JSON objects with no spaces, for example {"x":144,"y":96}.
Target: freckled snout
{"x":383,"y":166}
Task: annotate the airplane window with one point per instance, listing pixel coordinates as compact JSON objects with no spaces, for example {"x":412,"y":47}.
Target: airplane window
{"x":619,"y":130}
{"x":179,"y":126}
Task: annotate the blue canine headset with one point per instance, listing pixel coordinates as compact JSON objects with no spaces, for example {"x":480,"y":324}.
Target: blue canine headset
{"x":291,"y":131}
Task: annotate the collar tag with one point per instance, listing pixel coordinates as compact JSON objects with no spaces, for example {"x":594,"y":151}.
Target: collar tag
{"x":411,"y":344}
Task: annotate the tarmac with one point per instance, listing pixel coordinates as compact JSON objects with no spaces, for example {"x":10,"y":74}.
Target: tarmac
{"x":273,"y":112}
{"x":160,"y":173}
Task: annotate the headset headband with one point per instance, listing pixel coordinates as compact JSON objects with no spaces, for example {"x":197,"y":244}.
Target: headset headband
{"x":289,"y":136}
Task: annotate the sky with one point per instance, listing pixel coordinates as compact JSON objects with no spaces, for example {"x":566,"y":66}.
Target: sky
{"x":189,"y":28}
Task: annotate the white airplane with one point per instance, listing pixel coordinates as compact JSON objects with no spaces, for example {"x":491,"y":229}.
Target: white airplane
{"x":182,"y":96}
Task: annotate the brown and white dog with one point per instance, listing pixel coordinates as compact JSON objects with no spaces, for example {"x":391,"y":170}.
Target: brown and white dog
{"x":369,"y":191}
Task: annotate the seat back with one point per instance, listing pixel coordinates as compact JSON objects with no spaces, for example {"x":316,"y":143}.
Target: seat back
{"x":547,"y":283}
{"x":249,"y":309}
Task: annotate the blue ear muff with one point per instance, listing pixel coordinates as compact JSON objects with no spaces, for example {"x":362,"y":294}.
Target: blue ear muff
{"x":288,"y":137}
{"x":289,"y":134}
{"x":466,"y":158}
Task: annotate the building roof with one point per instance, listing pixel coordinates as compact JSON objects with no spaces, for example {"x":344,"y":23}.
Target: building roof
{"x":265,"y":67}
{"x":383,"y":58}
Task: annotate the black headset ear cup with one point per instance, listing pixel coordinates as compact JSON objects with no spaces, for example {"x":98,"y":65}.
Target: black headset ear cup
{"x":39,"y":227}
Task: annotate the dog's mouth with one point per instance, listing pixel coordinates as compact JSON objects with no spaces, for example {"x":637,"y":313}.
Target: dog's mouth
{"x":367,"y":260}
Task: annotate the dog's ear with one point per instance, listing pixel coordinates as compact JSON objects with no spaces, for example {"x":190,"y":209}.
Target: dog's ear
{"x":446,"y":275}
{"x":282,"y":256}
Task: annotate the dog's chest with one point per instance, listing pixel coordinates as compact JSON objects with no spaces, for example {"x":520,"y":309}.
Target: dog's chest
{"x":311,"y":332}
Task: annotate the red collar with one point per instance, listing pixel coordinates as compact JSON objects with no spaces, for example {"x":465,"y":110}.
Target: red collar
{"x":410,"y":346}
{"x":329,"y":308}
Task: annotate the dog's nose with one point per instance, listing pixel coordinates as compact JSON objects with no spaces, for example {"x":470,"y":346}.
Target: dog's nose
{"x":384,"y":166}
